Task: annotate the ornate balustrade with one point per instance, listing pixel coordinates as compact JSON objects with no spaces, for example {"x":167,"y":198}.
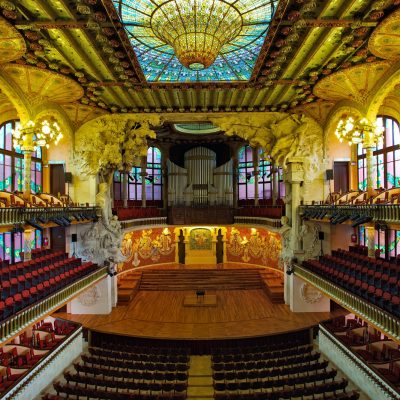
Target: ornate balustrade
{"x":47,"y":369}
{"x":16,"y":322}
{"x":133,"y":223}
{"x":374,"y":315}
{"x":360,"y":372}
{"x":378,"y":212}
{"x":274,"y":223}
{"x":18,"y":215}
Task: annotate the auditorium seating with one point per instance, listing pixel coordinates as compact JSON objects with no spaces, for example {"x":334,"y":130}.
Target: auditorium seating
{"x":33,"y":345}
{"x":136,"y":213}
{"x":375,"y":349}
{"x":26,"y":282}
{"x":375,"y":280}
{"x":274,"y":212}
{"x":127,"y":372}
{"x":284,"y":371}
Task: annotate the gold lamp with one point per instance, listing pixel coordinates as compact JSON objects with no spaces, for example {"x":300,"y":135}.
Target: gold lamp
{"x":196,"y":29}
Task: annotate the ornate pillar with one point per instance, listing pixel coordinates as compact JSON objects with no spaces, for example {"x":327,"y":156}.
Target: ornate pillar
{"x":124,"y":183}
{"x":143,"y":174}
{"x":370,"y":171}
{"x":275,"y":183}
{"x":27,"y":149}
{"x":27,"y":244}
{"x":295,"y":174}
{"x":256,"y":173}
{"x":165,"y":183}
{"x":235,"y":164}
{"x":370,"y":230}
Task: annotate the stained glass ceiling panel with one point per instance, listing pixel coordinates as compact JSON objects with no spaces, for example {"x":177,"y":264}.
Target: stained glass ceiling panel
{"x":235,"y":61}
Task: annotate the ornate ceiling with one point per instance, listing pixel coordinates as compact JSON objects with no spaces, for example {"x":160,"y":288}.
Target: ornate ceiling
{"x":157,"y":59}
{"x":85,"y":42}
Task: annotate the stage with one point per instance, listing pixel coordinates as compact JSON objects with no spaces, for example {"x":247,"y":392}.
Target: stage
{"x":236,"y":314}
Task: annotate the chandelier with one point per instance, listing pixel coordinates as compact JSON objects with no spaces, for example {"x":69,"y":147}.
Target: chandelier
{"x":196,"y":29}
{"x":360,"y":131}
{"x":39,"y":134}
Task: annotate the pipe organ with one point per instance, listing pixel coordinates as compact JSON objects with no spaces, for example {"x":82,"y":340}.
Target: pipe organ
{"x":200,"y":182}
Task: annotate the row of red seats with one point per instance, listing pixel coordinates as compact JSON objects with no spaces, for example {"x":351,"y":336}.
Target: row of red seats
{"x":20,"y":300}
{"x":35,"y":253}
{"x":275,"y":212}
{"x":29,"y":279}
{"x":136,"y":213}
{"x":261,"y":202}
{"x":13,"y":270}
{"x":138,"y":203}
{"x":362,"y":288}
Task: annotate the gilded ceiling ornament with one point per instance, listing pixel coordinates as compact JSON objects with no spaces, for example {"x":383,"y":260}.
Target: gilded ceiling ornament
{"x":12,"y":44}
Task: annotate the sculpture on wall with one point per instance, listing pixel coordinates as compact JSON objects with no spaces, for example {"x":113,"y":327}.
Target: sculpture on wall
{"x":280,"y":136}
{"x":112,"y":144}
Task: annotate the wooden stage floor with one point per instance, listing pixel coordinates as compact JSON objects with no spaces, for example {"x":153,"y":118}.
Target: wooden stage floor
{"x":238,"y":314}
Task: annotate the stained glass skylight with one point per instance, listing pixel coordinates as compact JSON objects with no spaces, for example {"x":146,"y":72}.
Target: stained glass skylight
{"x":236,"y":58}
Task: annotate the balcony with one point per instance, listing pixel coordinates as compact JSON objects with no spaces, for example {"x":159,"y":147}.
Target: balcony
{"x":45,"y":215}
{"x":388,"y":213}
{"x":371,"y":313}
{"x":26,"y":317}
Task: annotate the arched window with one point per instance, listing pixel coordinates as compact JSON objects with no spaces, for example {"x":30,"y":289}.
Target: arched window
{"x":12,"y":163}
{"x":153,"y":180}
{"x":245,"y":173}
{"x":386,"y":158}
{"x":246,"y":181}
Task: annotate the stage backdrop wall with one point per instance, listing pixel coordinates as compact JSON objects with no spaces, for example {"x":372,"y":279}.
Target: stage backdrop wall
{"x":253,"y":246}
{"x":148,"y":247}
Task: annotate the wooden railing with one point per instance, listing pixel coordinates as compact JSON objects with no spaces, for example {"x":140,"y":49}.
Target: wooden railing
{"x":18,"y":215}
{"x":274,"y":223}
{"x":378,"y":212}
{"x":22,"y":319}
{"x":133,"y":223}
{"x":371,"y":313}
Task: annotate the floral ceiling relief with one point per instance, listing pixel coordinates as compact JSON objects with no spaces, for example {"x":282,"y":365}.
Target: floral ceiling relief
{"x":149,"y":246}
{"x":254,"y":246}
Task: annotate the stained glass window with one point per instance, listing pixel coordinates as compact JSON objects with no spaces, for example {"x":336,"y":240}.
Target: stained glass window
{"x":12,"y":163}
{"x":153,"y":178}
{"x":236,"y":58}
{"x":386,"y":161}
{"x":135,"y":184}
{"x":246,"y":178}
{"x":12,"y":244}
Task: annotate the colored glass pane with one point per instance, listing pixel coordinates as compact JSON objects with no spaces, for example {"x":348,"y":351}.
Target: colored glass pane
{"x":159,"y":63}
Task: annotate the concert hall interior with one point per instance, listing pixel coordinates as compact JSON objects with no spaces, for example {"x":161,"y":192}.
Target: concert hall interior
{"x":200,"y":199}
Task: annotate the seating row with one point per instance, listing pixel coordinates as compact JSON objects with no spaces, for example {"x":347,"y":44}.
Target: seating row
{"x":274,"y":212}
{"x":371,"y":293}
{"x":137,"y":213}
{"x":18,"y":301}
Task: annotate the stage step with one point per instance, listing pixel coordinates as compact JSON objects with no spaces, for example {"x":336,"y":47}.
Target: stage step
{"x":128,"y":286}
{"x":273,"y":285}
{"x":206,"y":279}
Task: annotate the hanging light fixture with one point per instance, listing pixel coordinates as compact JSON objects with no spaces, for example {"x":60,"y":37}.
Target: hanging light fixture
{"x":40,"y":134}
{"x":359,"y":131}
{"x":196,"y":29}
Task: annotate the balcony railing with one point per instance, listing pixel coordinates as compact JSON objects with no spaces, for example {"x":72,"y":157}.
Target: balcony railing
{"x":274,"y":223}
{"x":378,"y":212}
{"x":22,"y":319}
{"x":374,"y":315}
{"x":18,"y":215}
{"x":133,"y":223}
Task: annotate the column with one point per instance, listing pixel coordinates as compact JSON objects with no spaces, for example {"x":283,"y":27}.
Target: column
{"x":370,"y":231}
{"x":124,"y":183}
{"x":143,"y":173}
{"x":27,"y":244}
{"x":275,"y":184}
{"x":295,"y":174}
{"x":370,"y":171}
{"x":256,"y":173}
{"x":165,"y":183}
{"x":235,"y":164}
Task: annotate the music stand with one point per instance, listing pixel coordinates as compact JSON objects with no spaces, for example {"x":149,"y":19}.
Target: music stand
{"x":200,"y":295}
